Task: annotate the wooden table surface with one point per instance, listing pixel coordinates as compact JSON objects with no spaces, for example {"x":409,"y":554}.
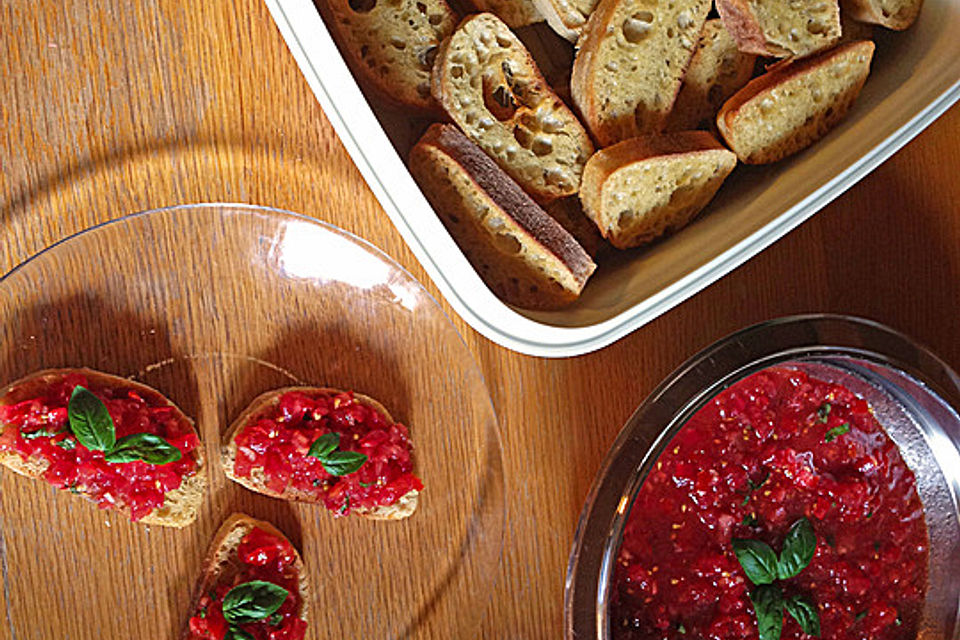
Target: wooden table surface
{"x":110,"y":107}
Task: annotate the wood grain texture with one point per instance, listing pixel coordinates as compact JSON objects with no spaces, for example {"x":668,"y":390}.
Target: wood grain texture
{"x":111,"y":107}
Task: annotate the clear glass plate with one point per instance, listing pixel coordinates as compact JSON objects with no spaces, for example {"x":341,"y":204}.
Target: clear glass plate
{"x":212,"y":305}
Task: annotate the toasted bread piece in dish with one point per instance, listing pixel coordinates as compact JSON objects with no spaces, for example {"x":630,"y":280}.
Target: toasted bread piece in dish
{"x":642,"y":188}
{"x":243,"y":555}
{"x":566,"y":17}
{"x":525,"y":256}
{"x":795,"y":104}
{"x":37,"y":441}
{"x":515,"y":13}
{"x":492,"y":89}
{"x":390,"y":45}
{"x":366,"y":466}
{"x":717,"y":71}
{"x":782,"y":28}
{"x":630,"y":62}
{"x":892,"y":14}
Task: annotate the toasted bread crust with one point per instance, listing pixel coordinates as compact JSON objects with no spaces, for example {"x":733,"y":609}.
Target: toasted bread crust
{"x":892,"y":14}
{"x":401,"y":509}
{"x":717,"y":71}
{"x":222,"y":549}
{"x":778,"y":28}
{"x":515,"y":13}
{"x":733,"y":118}
{"x":180,"y":505}
{"x":566,"y":17}
{"x":672,"y":177}
{"x":489,"y":84}
{"x":630,"y":62}
{"x":390,"y":46}
{"x":523,"y":255}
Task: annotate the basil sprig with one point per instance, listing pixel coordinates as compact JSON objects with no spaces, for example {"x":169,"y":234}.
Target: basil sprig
{"x":758,"y":560}
{"x":143,"y":446}
{"x":768,"y":604}
{"x":798,"y":549}
{"x":335,"y":462}
{"x":805,"y":613}
{"x":90,"y":421}
{"x":763,"y":568}
{"x":251,"y":602}
{"x":91,"y":424}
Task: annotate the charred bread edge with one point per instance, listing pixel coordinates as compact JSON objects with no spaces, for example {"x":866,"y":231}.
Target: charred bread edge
{"x":217,"y":555}
{"x":29,"y":385}
{"x":403,"y":508}
{"x":508,"y":195}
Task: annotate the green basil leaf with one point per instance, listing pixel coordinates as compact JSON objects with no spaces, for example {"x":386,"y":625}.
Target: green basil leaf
{"x":758,"y":560}
{"x":90,"y":421}
{"x":252,"y":601}
{"x":798,"y":549}
{"x":147,"y":447}
{"x":836,"y":432}
{"x":324,"y":445}
{"x":236,"y":633}
{"x":805,"y":613}
{"x":341,"y":463}
{"x":336,"y":463}
{"x":768,"y":607}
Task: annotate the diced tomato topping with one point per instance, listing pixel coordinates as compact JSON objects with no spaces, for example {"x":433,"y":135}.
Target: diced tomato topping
{"x":37,"y":429}
{"x":279,"y":439}
{"x":261,"y":556}
{"x":773,"y":448}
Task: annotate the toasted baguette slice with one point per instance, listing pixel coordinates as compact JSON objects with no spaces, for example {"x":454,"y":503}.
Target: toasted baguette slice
{"x":390,"y":46}
{"x":566,"y":17}
{"x":222,"y":556}
{"x":892,"y":14}
{"x":630,"y":62}
{"x":180,"y":505}
{"x":399,"y":510}
{"x":642,"y":188}
{"x":795,"y":104}
{"x":781,"y":28}
{"x":515,"y":13}
{"x":718,"y":70}
{"x":490,"y":86}
{"x":523,"y":255}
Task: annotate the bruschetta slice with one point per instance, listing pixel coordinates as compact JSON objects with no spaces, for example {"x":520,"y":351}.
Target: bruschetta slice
{"x":315,"y":444}
{"x":116,"y":442}
{"x":252,"y":586}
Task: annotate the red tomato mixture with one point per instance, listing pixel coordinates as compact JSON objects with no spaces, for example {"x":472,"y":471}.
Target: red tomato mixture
{"x":37,"y":429}
{"x":279,"y":439}
{"x":261,"y":556}
{"x":776,"y":447}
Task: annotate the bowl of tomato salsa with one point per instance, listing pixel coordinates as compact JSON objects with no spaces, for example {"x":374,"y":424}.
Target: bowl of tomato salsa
{"x":798,"y":479}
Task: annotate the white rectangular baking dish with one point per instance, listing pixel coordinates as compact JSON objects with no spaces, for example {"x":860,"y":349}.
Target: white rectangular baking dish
{"x":915,"y":78}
